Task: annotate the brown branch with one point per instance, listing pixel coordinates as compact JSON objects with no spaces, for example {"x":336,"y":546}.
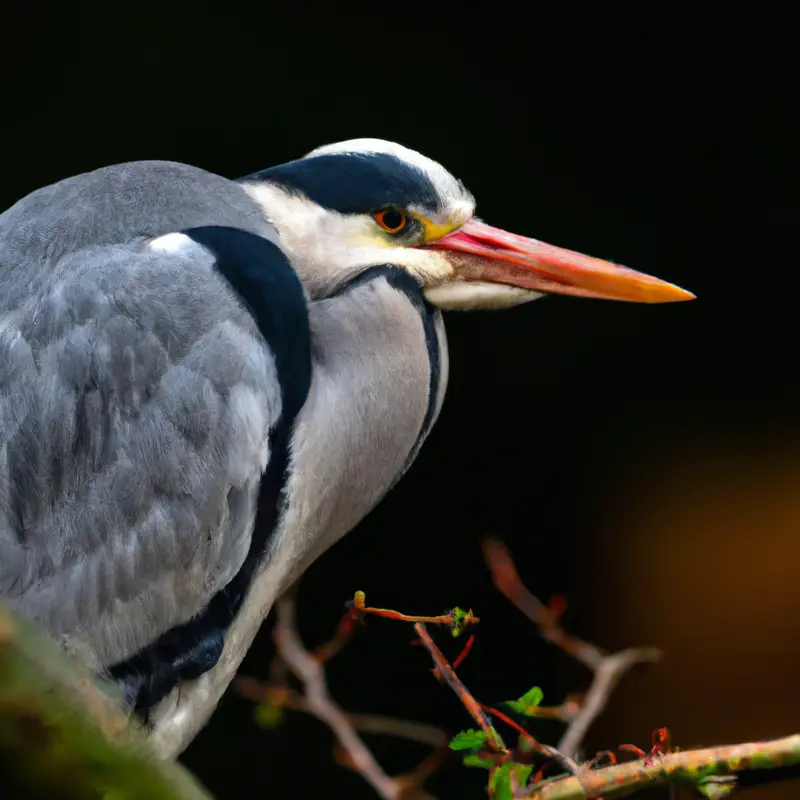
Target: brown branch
{"x":460,"y":658}
{"x":455,"y":618}
{"x":347,"y":625}
{"x":607,"y":675}
{"x":534,"y":744}
{"x":419,"y":732}
{"x":341,"y":636}
{"x":308,"y":669}
{"x":375,"y":724}
{"x":508,"y":582}
{"x":470,"y":703}
{"x":714,"y":765}
{"x":713,"y":771}
{"x":607,"y":668}
{"x":412,"y":782}
{"x":479,"y":711}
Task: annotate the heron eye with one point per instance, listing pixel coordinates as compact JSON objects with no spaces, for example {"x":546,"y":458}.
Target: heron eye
{"x":391,"y":220}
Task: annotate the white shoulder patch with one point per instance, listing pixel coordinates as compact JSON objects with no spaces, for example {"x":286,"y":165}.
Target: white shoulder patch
{"x":172,"y":243}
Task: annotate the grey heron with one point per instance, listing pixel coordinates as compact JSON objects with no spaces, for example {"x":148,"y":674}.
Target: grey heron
{"x":205,"y":383}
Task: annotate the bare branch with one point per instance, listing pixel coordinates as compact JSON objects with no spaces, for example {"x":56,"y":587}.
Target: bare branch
{"x":508,"y":582}
{"x":713,"y":771}
{"x":607,"y":668}
{"x":419,"y":732}
{"x":376,"y":724}
{"x":308,"y":669}
{"x":606,"y":676}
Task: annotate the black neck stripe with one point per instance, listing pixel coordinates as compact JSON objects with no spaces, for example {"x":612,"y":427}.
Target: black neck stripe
{"x":264,"y":280}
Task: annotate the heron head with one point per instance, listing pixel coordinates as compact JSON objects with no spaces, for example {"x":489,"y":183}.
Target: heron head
{"x":349,"y":206}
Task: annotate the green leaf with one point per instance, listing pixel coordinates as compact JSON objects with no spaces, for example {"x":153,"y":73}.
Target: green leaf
{"x":473,"y":760}
{"x":459,"y":616}
{"x":714,"y":790}
{"x":501,"y":786}
{"x":469,"y":740}
{"x":522,"y":772}
{"x":500,"y":783}
{"x":267,"y":715}
{"x":528,"y":703}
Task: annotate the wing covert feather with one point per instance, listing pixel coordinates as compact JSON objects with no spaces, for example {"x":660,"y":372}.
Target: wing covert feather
{"x":136,"y":401}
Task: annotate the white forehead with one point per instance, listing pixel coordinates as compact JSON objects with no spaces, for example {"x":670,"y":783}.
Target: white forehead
{"x":453,"y":193}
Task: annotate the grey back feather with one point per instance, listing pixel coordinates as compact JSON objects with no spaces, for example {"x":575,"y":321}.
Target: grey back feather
{"x":114,"y":205}
{"x":136,"y":398}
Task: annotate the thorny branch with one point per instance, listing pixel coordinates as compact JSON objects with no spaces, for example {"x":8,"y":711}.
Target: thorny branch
{"x":479,"y":710}
{"x":714,"y":768}
{"x":450,"y":677}
{"x":608,"y":668}
{"x":308,"y":666}
{"x":712,"y":771}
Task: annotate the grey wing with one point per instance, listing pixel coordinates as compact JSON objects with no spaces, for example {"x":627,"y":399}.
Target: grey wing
{"x":136,"y":401}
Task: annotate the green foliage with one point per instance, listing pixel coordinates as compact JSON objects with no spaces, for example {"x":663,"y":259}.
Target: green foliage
{"x":714,"y":790}
{"x":710,"y":784}
{"x":474,"y":760}
{"x":268,"y":715}
{"x":503,"y":778}
{"x":528,"y":703}
{"x":472,"y":741}
{"x":469,"y":740}
{"x":459,"y":618}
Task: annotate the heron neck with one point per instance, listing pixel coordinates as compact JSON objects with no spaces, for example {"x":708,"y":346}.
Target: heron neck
{"x":379,"y":376}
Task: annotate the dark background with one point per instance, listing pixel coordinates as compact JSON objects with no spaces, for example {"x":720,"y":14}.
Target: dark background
{"x":640,"y":459}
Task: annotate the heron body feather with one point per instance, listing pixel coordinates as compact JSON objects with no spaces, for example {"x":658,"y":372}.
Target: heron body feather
{"x":182,"y":430}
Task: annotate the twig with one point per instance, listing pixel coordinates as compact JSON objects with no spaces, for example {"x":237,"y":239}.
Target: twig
{"x":458,"y":660}
{"x":607,"y":668}
{"x":465,"y":651}
{"x":508,"y":582}
{"x":692,"y":767}
{"x":470,"y":703}
{"x":412,"y":782}
{"x":376,"y":724}
{"x":533,"y":743}
{"x":456,"y":618}
{"x":713,"y":771}
{"x":390,"y":726}
{"x":341,"y":636}
{"x":308,"y":669}
{"x":607,"y":675}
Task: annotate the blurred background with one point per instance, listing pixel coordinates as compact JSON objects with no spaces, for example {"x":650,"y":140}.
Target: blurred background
{"x":643,"y":461}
